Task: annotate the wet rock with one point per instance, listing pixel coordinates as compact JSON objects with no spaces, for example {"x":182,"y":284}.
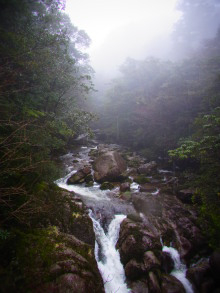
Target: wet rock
{"x":185,"y":195}
{"x":134,"y":270}
{"x":109,"y":167}
{"x":147,"y":205}
{"x":153,"y":283}
{"x":68,"y":283}
{"x":129,"y":249}
{"x":147,"y":168}
{"x":125,"y":187}
{"x":90,"y":184}
{"x":171,"y":285}
{"x":140,"y":286}
{"x":167,"y":262}
{"x":79,"y":176}
{"x":199,"y":274}
{"x":185,"y":248}
{"x":89,"y":178}
{"x":166,"y":216}
{"x":76,"y":178}
{"x":151,"y":261}
{"x":134,"y":241}
{"x":147,"y":188}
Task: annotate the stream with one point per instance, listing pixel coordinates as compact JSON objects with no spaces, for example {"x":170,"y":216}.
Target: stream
{"x":107,"y":212}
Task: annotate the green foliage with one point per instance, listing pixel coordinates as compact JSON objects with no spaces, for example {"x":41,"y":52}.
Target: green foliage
{"x":141,"y":179}
{"x":205,"y":148}
{"x":35,"y":246}
{"x":45,"y":79}
{"x":185,"y":151}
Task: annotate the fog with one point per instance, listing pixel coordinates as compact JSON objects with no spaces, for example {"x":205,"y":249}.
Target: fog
{"x":138,"y":29}
{"x":125,"y":28}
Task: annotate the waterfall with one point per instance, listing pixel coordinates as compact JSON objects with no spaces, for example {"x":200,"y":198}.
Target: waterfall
{"x":108,"y":257}
{"x":179,"y":270}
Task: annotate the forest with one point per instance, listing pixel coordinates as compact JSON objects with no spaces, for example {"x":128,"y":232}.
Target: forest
{"x":165,"y":110}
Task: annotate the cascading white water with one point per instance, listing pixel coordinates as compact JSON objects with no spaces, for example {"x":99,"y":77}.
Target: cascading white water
{"x":110,"y":265}
{"x":179,"y":270}
{"x":93,"y":192}
{"x":107,"y":257}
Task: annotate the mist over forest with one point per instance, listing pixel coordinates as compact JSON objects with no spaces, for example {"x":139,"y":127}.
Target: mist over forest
{"x":149,"y":87}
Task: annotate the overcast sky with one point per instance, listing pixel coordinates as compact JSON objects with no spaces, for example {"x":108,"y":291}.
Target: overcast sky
{"x":123,"y":28}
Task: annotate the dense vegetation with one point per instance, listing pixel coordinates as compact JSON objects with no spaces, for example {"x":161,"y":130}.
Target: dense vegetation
{"x":45,"y":78}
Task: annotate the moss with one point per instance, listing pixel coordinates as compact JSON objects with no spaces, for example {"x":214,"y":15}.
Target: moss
{"x":141,"y":179}
{"x":89,"y":178}
{"x":126,"y":195}
{"x":106,"y":185}
{"x":90,"y":184}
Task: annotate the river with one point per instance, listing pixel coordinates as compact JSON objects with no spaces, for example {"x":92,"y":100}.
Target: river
{"x":107,"y":211}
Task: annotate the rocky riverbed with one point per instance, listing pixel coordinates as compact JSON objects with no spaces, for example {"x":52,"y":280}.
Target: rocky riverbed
{"x":110,"y":180}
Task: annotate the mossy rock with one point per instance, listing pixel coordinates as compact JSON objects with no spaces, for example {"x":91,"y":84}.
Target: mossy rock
{"x":89,"y":178}
{"x":89,"y":184}
{"x":75,"y":161}
{"x":106,"y":185}
{"x":141,"y":179}
{"x":126,"y":195}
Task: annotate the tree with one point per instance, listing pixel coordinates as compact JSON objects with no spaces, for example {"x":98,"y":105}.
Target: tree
{"x":44,"y":76}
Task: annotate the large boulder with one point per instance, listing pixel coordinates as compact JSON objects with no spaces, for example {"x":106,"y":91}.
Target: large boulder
{"x":109,"y":167}
{"x":133,"y":242}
